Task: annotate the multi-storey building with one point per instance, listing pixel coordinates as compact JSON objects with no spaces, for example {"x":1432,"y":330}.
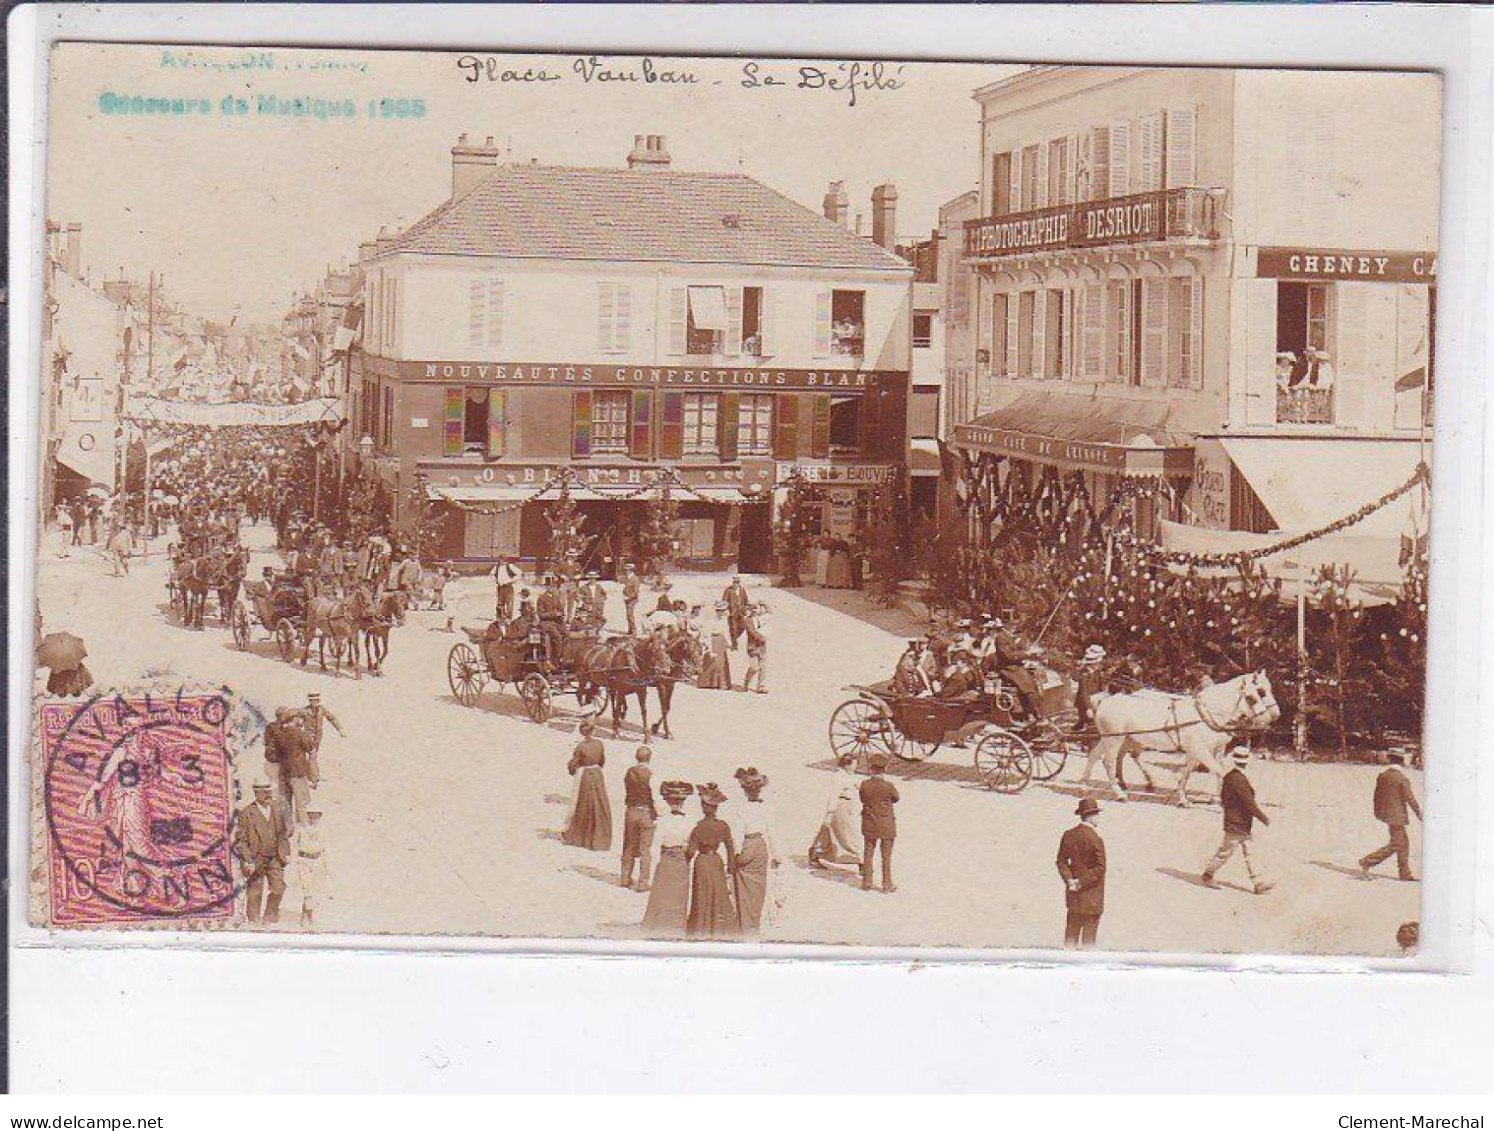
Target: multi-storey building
{"x":1153,"y":243}
{"x":621,"y":322}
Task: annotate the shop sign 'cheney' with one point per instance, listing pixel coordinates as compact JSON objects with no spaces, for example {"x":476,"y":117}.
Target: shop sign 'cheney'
{"x":620,"y":527}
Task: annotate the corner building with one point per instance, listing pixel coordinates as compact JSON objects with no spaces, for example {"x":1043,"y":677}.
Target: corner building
{"x":621,"y":322}
{"x":1150,"y":240}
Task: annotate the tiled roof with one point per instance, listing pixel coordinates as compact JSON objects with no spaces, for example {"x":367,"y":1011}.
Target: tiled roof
{"x":560,"y":212}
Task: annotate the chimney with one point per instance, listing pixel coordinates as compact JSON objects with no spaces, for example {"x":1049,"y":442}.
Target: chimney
{"x":72,"y":249}
{"x":837,"y":204}
{"x":649,"y":151}
{"x":470,"y":164}
{"x":366,"y":251}
{"x":884,"y":216}
{"x":384,"y":242}
{"x":860,"y":224}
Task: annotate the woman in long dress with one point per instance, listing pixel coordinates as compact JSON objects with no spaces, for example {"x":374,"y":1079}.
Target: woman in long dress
{"x":669,"y":897}
{"x":710,"y":848}
{"x":757,"y":856}
{"x":590,"y":823}
{"x":839,"y":837}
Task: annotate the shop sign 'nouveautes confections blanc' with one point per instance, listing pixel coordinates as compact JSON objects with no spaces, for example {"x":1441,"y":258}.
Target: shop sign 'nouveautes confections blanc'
{"x":585,"y":373}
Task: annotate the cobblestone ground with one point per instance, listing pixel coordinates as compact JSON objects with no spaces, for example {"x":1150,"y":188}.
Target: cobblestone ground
{"x":443,"y":819}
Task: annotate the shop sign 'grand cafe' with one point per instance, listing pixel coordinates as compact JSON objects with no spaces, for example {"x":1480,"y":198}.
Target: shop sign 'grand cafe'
{"x":630,"y":325}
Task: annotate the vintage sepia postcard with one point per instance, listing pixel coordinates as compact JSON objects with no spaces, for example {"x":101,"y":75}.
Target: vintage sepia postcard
{"x":731,"y":501}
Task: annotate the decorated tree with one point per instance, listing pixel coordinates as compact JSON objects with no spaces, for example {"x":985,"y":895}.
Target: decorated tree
{"x":886,"y":541}
{"x":567,"y":543}
{"x":657,"y":541}
{"x":427,"y":522}
{"x":791,"y":532}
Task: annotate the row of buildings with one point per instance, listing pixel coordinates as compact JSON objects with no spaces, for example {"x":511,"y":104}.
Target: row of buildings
{"x":1220,"y":281}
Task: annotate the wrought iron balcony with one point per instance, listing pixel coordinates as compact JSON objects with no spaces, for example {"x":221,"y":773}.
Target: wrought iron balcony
{"x":1181,"y":214}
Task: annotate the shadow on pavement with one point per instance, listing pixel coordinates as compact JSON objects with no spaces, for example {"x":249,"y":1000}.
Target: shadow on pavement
{"x":1193,"y":879}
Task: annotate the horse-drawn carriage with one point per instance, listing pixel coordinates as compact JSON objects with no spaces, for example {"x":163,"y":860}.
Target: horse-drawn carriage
{"x":202,"y":569}
{"x":1017,"y":739}
{"x":522,"y":663}
{"x":280,"y":608}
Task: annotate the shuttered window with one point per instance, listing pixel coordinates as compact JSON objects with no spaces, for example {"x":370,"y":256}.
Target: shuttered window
{"x":1120,"y":159}
{"x":998,"y":334}
{"x":1185,"y":333}
{"x":700,"y":424}
{"x":671,"y":424}
{"x":1120,"y":342}
{"x":1182,"y":147}
{"x":609,"y":422}
{"x":640,"y":436}
{"x":453,"y":422}
{"x":614,"y":317}
{"x":822,"y":324}
{"x":835,"y":410}
{"x":733,"y":320}
{"x":1099,"y":163}
{"x":730,"y":423}
{"x":1150,"y":129}
{"x":497,"y":423}
{"x":1059,"y":171}
{"x":678,"y":313}
{"x":1026,"y":314}
{"x":581,"y":423}
{"x":755,"y":424}
{"x":1093,"y":333}
{"x":1153,"y":331}
{"x":1030,"y":179}
{"x":485,"y":300}
{"x":786,"y":430}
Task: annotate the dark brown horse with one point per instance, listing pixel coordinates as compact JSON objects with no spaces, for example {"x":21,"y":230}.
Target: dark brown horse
{"x":613,"y":664}
{"x":380,"y":613}
{"x":663,"y":661}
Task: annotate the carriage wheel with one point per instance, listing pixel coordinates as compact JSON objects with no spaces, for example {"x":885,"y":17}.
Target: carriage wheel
{"x":285,"y":637}
{"x":240,"y":623}
{"x":535,"y":691}
{"x":1050,"y":740}
{"x":465,"y":673}
{"x":860,"y":728}
{"x":1004,"y":761}
{"x":912,"y":749}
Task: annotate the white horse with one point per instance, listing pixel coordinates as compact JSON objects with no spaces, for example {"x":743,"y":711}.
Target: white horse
{"x":1200,"y":726}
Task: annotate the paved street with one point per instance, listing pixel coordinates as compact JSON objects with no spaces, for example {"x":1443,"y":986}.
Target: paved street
{"x":460,"y":807}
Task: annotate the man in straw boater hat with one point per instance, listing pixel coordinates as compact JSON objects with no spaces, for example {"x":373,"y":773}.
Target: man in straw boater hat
{"x":262,"y":845}
{"x":1081,"y":863}
{"x":1237,"y":799}
{"x":1090,"y":683}
{"x":1394,"y":802}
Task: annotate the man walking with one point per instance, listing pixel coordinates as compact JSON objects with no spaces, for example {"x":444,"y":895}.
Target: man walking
{"x":1237,"y":799}
{"x":275,"y":749}
{"x":878,"y":823}
{"x":1081,"y":863}
{"x":735,"y":597}
{"x":262,"y":846}
{"x":311,"y":866}
{"x":630,"y":598}
{"x":314,"y":714}
{"x":1393,"y":797}
{"x":757,"y":652}
{"x":639,"y":816}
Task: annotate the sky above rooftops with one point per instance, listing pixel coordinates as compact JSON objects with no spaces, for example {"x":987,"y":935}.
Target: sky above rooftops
{"x":242,"y":210}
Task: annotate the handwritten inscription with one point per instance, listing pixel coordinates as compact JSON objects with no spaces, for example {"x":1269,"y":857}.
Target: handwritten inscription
{"x":850,"y":79}
{"x":591,"y":70}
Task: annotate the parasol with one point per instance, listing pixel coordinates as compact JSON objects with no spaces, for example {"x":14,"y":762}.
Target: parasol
{"x":60,"y":651}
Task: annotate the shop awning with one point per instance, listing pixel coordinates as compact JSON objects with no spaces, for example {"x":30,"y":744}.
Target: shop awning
{"x":708,"y":308}
{"x":1308,"y":483}
{"x":494,"y":493}
{"x":1082,"y":433}
{"x":923,"y":457}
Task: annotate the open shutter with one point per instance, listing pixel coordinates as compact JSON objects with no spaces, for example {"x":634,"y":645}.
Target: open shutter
{"x":1179,"y":295}
{"x":769,"y":314}
{"x":1099,"y":163}
{"x":730,"y":421}
{"x":1151,"y":152}
{"x":477,"y":312}
{"x":641,"y":425}
{"x":1039,"y":334}
{"x":1358,"y":358}
{"x":671,"y":425}
{"x":1120,"y":159}
{"x":733,"y":320}
{"x":1093,"y":332}
{"x":786,"y":427}
{"x":622,"y":324}
{"x":495,"y":312}
{"x":581,"y":423}
{"x":819,"y":447}
{"x":677,"y":320}
{"x":1042,"y":200}
{"x":986,"y":335}
{"x":1182,"y":147}
{"x":1073,"y":170}
{"x":1195,"y":332}
{"x":1154,"y":331}
{"x":497,"y":423}
{"x":1260,"y":350}
{"x":1013,"y":331}
{"x":1070,"y":332}
{"x":1014,"y":179}
{"x":822,"y":324}
{"x":605,"y":308}
{"x":454,"y":417}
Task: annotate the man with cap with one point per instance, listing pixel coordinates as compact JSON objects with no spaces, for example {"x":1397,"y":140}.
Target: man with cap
{"x":735,"y":596}
{"x":1081,"y":863}
{"x":550,"y":609}
{"x":505,"y":576}
{"x":1090,"y":683}
{"x":313,"y":715}
{"x":310,"y":861}
{"x":878,"y":823}
{"x":261,"y":843}
{"x":1237,"y":799}
{"x":1393,"y":798}
{"x":631,"y":588}
{"x":639,"y":815}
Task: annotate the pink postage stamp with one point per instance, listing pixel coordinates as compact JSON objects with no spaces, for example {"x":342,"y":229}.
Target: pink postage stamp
{"x":137,"y":793}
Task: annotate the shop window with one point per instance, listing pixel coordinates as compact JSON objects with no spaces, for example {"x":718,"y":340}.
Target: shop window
{"x":1001,"y":184}
{"x":752,"y":321}
{"x":609,"y":422}
{"x":848,"y":323}
{"x":1304,"y":327}
{"x":845,"y":423}
{"x":705,"y":326}
{"x":701,"y":434}
{"x":755,"y":424}
{"x":923,"y":329}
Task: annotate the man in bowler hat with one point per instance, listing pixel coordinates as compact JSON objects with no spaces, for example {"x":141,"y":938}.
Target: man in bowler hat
{"x":1081,"y":863}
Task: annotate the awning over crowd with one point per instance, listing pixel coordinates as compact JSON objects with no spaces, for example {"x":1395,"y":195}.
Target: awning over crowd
{"x":145,"y":410}
{"x":1081,"y":433}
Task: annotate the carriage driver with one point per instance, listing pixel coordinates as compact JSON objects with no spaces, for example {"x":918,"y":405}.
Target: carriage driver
{"x":550,"y":608}
{"x":1007,"y":655}
{"x":1091,"y":681}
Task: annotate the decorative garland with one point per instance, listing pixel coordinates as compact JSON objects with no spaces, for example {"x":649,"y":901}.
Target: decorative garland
{"x":567,"y":478}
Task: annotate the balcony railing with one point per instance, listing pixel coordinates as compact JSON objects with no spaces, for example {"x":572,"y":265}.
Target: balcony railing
{"x":1304,"y":404}
{"x":1144,"y":217}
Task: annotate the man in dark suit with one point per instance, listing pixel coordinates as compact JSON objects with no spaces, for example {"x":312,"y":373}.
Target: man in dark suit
{"x":261,"y":843}
{"x":1081,"y":863}
{"x":735,"y":596}
{"x":1237,"y":799}
{"x":878,"y":823}
{"x":1393,"y":798}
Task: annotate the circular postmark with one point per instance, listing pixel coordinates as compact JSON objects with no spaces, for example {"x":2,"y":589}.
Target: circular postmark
{"x":138,"y":799}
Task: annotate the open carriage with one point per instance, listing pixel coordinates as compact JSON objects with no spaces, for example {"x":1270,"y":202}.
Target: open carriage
{"x":1014,"y":744}
{"x":522,"y":663}
{"x":279,"y":608}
